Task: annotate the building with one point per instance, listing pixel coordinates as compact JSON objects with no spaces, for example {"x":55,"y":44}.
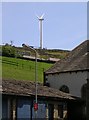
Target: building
{"x":18,"y":99}
{"x":70,"y":75}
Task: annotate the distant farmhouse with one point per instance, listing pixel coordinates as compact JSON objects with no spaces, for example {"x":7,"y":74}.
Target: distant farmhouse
{"x":71,"y":75}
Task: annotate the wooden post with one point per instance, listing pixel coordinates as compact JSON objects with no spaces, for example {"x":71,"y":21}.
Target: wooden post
{"x":14,"y":112}
{"x":55,"y":111}
{"x":47,"y":116}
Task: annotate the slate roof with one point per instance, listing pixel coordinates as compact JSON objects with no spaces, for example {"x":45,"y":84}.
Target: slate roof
{"x":78,"y":59}
{"x":27,"y":88}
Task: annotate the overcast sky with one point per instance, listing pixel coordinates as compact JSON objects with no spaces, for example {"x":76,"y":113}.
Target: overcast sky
{"x":64,"y":25}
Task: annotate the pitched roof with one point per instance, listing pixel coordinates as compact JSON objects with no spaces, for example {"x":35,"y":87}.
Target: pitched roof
{"x":27,"y":88}
{"x":76,"y":60}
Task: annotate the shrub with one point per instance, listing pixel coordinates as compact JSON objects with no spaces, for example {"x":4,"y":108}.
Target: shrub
{"x":8,"y":51}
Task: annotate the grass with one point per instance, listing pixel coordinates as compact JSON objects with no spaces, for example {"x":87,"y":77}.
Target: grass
{"x":14,"y":68}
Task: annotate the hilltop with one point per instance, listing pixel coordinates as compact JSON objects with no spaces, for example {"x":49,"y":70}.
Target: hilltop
{"x":24,"y":51}
{"x":43,"y":54}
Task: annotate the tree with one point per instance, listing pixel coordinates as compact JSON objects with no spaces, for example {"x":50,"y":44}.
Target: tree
{"x":8,"y":51}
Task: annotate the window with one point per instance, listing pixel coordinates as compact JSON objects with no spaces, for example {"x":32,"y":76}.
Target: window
{"x":47,"y":84}
{"x":64,"y":88}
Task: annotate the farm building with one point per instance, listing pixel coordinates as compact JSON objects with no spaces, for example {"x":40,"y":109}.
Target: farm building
{"x":71,"y":75}
{"x":18,"y":99}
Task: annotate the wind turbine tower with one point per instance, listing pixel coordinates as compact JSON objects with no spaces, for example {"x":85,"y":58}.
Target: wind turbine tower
{"x":40,"y":28}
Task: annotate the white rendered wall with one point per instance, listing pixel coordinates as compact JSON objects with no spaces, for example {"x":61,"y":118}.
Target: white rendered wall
{"x":74,"y":81}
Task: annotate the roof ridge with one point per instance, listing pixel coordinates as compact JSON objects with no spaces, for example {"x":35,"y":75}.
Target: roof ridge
{"x":76,"y":60}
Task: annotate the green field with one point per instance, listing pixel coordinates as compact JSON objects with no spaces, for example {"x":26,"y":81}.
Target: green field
{"x":14,"y":68}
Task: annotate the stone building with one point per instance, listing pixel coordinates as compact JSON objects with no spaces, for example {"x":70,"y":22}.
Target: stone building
{"x":70,"y":75}
{"x":18,"y":99}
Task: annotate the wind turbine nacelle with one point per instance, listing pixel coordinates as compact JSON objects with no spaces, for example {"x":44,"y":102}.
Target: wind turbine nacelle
{"x":41,"y":19}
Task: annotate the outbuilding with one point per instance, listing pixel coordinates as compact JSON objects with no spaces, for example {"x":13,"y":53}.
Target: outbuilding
{"x":18,"y":98}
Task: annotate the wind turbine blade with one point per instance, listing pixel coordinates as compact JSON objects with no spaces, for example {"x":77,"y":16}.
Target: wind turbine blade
{"x":37,"y":16}
{"x":42,"y":16}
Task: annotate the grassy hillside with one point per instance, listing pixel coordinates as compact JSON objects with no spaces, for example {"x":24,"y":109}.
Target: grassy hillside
{"x":22,"y":69}
{"x":15,"y":68}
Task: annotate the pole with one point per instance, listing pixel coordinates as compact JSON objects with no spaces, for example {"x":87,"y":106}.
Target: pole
{"x":35,"y":76}
{"x":35,"y":81}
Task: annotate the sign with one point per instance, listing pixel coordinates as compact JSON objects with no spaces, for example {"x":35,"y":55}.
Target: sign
{"x":35,"y":106}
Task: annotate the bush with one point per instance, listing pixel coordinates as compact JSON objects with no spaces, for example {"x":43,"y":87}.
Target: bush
{"x":8,"y":51}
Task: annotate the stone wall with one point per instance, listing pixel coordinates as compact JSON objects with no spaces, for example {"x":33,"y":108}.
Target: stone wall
{"x":73,"y":80}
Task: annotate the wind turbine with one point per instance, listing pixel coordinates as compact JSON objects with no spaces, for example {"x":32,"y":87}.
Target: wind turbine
{"x":40,"y":28}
